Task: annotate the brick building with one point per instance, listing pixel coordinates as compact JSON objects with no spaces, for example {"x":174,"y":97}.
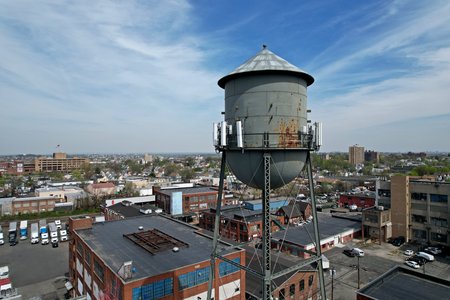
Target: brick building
{"x":101,"y":189}
{"x":16,"y":167}
{"x":376,"y":223}
{"x":151,"y":257}
{"x":15,"y":206}
{"x":185,"y":201}
{"x":298,"y":284}
{"x":59,"y":163}
{"x":360,"y":200}
{"x":295,"y":213}
{"x":237,"y":223}
{"x":333,"y":231}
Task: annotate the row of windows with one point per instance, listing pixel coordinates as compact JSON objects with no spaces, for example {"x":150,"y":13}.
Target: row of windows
{"x":227,"y":268}
{"x":34,"y":203}
{"x":433,"y":197}
{"x":194,"y":278}
{"x":155,"y":290}
{"x":164,"y":287}
{"x":201,"y":198}
{"x":282,"y":293}
{"x":434,"y":236}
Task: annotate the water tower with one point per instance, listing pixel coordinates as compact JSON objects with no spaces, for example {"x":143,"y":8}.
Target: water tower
{"x":266,"y":140}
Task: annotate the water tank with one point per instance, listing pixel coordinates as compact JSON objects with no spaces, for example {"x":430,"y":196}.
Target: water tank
{"x":267,"y":95}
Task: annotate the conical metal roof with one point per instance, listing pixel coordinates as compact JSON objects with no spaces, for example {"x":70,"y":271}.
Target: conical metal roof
{"x":266,"y":61}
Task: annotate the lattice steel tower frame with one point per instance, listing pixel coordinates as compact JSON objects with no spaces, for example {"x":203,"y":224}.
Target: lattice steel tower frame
{"x":266,"y":140}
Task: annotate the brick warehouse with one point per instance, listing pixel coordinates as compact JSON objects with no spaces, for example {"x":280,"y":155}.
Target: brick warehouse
{"x":185,"y":201}
{"x":150,"y":257}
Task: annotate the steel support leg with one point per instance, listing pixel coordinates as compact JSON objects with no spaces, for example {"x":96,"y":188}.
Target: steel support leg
{"x":216,"y":226}
{"x":267,"y":281}
{"x":316,"y":227}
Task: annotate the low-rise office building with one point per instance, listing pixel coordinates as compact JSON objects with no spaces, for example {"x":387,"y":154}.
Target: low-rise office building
{"x":185,"y":200}
{"x":59,"y":162}
{"x":376,"y":223}
{"x":420,"y":208}
{"x":151,"y":257}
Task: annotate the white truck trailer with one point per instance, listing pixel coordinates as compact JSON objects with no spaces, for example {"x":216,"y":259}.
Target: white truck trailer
{"x":43,"y":231}
{"x":34,"y":233}
{"x":23,"y":230}
{"x":63,"y":233}
{"x":53,"y":232}
{"x":2,"y":241}
{"x":12,"y":233}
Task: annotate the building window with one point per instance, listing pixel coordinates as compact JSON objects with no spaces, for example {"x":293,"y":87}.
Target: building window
{"x":440,"y":222}
{"x":302,"y":285}
{"x":87,"y":257}
{"x":418,"y":218}
{"x":419,"y":234}
{"x":193,"y":278}
{"x":80,"y":248}
{"x":227,"y":268}
{"x":281,"y":294}
{"x":438,"y":198}
{"x":155,"y":290}
{"x":292,"y":290}
{"x":438,"y":237}
{"x":419,"y":196}
{"x":98,"y":270}
{"x":310,"y":280}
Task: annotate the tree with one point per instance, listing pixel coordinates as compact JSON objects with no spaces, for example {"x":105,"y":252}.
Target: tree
{"x":187,"y":174}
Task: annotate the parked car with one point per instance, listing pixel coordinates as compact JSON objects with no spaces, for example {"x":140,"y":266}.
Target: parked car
{"x":398,"y":241}
{"x":408,"y":252}
{"x":412,"y":264}
{"x":419,"y":260}
{"x":425,"y":255}
{"x":349,"y":253}
{"x":433,"y":250}
{"x":358,"y":252}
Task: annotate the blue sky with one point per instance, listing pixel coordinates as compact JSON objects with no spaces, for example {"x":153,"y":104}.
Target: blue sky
{"x":141,"y":76}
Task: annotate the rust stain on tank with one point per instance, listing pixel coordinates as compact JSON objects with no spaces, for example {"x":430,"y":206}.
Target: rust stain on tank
{"x":288,"y":134}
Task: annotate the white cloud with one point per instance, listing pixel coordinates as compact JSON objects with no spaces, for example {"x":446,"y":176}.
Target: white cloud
{"x":362,"y":94}
{"x":87,"y":68}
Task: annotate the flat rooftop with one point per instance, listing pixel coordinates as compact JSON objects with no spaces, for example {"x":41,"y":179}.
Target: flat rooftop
{"x":328,"y":227}
{"x":108,"y":242}
{"x":187,"y":190}
{"x":400,"y":283}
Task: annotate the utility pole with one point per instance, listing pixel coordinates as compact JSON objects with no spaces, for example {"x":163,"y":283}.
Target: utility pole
{"x":333,"y":272}
{"x":358,"y":273}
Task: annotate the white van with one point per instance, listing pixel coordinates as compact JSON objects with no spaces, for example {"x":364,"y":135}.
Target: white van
{"x":358,"y":252}
{"x":427,"y":256}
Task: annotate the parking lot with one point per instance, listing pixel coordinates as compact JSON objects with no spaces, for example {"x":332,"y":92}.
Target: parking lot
{"x":377,"y":260}
{"x":37,"y":270}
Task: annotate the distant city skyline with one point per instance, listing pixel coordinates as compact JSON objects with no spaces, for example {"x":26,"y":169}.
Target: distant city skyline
{"x":141,"y":77}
